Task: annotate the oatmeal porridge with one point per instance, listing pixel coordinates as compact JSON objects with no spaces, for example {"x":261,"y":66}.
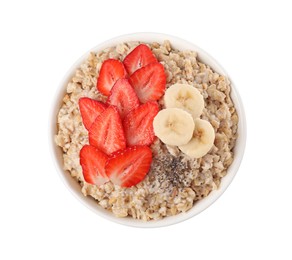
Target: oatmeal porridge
{"x":174,"y":181}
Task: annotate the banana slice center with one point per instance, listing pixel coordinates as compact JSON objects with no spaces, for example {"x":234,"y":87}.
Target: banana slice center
{"x":198,"y":133}
{"x":184,"y":98}
{"x":172,"y":124}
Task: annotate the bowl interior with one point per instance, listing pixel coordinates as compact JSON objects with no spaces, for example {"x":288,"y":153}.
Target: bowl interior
{"x":74,"y":187}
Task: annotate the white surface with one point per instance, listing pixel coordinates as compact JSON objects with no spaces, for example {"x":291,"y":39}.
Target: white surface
{"x":179,"y":44}
{"x":41,"y":220}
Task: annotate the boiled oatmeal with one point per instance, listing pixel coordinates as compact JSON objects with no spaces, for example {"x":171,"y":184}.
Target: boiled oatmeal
{"x":175,"y":182}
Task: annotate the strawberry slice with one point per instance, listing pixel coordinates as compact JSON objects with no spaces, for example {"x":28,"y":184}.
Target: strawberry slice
{"x":123,"y":97}
{"x":93,"y":164}
{"x":106,"y":133}
{"x":149,"y":82}
{"x":138,"y":124}
{"x":90,"y":109}
{"x":130,"y":166}
{"x":111,"y":70}
{"x":138,"y":58}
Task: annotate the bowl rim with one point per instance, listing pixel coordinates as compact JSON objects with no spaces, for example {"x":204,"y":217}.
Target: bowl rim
{"x":201,"y":205}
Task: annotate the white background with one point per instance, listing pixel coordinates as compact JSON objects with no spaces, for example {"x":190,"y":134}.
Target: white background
{"x":40,"y":40}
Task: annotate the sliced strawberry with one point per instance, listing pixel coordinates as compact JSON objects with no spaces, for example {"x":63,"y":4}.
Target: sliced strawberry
{"x":93,"y":163}
{"x":111,"y":70}
{"x":130,"y":166}
{"x":123,"y":97}
{"x":138,"y":124}
{"x":90,"y":109}
{"x":106,"y":133}
{"x":149,"y":82}
{"x":138,"y":58}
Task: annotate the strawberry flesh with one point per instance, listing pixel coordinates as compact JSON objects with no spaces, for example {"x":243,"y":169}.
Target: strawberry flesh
{"x":111,"y":70}
{"x":149,"y":82}
{"x":138,"y":124}
{"x":106,"y":133}
{"x":122,"y":122}
{"x":138,"y":58}
{"x":90,"y":109}
{"x":128,"y":167}
{"x":93,"y":164}
{"x":123,"y":96}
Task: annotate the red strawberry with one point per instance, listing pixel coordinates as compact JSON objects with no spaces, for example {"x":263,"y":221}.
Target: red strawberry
{"x":90,"y":110}
{"x":130,"y":166}
{"x":93,"y":163}
{"x":138,"y":124}
{"x":123,"y":97}
{"x":111,"y":70}
{"x":138,"y":58}
{"x":106,"y":133}
{"x":149,"y":82}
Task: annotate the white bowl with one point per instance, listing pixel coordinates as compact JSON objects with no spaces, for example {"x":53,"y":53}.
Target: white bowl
{"x":201,"y":205}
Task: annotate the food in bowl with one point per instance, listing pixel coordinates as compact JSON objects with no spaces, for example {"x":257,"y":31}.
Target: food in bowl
{"x":149,"y":176}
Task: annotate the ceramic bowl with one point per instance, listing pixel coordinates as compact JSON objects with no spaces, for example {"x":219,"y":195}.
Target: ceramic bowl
{"x":201,"y":205}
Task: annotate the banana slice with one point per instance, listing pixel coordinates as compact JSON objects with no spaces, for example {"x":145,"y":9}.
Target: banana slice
{"x":174,"y":126}
{"x":202,"y":141}
{"x":186,"y":97}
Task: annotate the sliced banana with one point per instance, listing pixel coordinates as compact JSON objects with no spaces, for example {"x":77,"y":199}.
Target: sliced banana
{"x":202,"y":141}
{"x":174,"y":126}
{"x":186,"y":97}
